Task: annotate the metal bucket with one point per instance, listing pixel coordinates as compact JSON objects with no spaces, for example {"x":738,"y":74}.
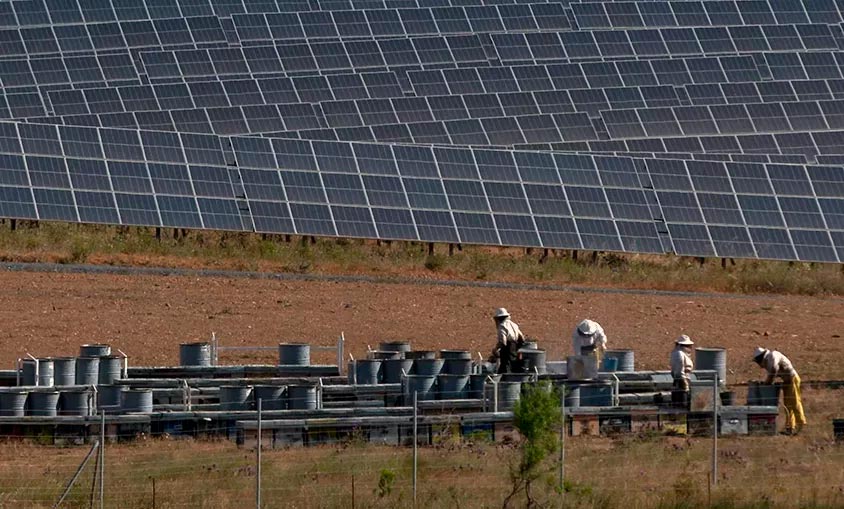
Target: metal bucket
{"x":428,"y":367}
{"x":74,"y":402}
{"x":457,"y":367}
{"x":596,"y":394}
{"x":366,"y":372}
{"x":43,"y":403}
{"x":383,"y":355}
{"x":294,"y":354}
{"x":759,"y":394}
{"x":625,"y":359}
{"x":508,"y":394}
{"x":452,"y":386}
{"x":423,"y":385}
{"x":235,"y":397}
{"x":13,"y":403}
{"x":476,"y":385}
{"x":610,"y":365}
{"x":110,"y":395}
{"x":64,"y":371}
{"x":136,"y":401}
{"x":94,"y":350}
{"x":87,"y":370}
{"x":302,"y":397}
{"x":455,"y":354}
{"x":533,"y":360}
{"x":712,"y":359}
{"x":45,"y":372}
{"x":391,"y":370}
{"x":273,"y":397}
{"x":530,"y":345}
{"x":111,"y":369}
{"x":395,"y":346}
{"x":572,"y":397}
{"x":420,"y":354}
{"x":195,"y":354}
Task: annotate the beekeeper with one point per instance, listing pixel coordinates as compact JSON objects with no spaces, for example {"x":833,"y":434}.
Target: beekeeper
{"x":510,"y":339}
{"x":681,"y":368}
{"x":778,"y":365}
{"x":589,"y":339}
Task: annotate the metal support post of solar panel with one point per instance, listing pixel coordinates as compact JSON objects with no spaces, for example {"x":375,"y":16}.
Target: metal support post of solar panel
{"x":706,"y":129}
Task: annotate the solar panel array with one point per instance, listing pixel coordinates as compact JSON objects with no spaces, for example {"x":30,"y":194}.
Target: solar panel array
{"x":700,"y":128}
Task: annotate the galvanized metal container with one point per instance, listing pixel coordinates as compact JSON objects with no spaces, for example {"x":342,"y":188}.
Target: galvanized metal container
{"x":533,"y":360}
{"x":759,"y":394}
{"x":391,"y":370}
{"x":64,"y":371}
{"x":302,"y":397}
{"x":476,"y":385}
{"x":195,"y":354}
{"x":45,"y":372}
{"x":452,"y":386}
{"x":294,"y":354}
{"x":87,"y":370}
{"x":94,"y":350}
{"x":43,"y":403}
{"x":13,"y":402}
{"x":455,"y":354}
{"x":457,"y":367}
{"x":625,"y":358}
{"x":420,"y":354}
{"x":136,"y":401}
{"x":508,"y":394}
{"x":111,"y":369}
{"x":712,"y":359}
{"x":428,"y":367}
{"x":110,"y":395}
{"x":572,"y":397}
{"x":366,"y":372}
{"x":383,"y":355}
{"x":395,"y":346}
{"x":422,"y":385}
{"x":273,"y":397}
{"x":235,"y":397}
{"x":74,"y":402}
{"x":596,"y":394}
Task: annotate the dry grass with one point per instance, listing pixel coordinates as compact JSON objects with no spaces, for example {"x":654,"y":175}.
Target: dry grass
{"x":62,"y":243}
{"x":638,"y":472}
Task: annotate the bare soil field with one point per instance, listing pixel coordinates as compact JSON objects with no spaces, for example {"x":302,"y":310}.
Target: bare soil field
{"x":50,"y":314}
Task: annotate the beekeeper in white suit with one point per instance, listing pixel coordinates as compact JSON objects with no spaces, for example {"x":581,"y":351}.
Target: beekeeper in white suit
{"x":589,"y":339}
{"x":681,"y":369}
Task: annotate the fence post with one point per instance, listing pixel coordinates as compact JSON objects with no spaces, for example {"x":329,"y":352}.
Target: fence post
{"x":415,"y":445}
{"x":715,"y":431}
{"x":258,"y":466}
{"x":102,"y":460}
{"x":562,"y":442}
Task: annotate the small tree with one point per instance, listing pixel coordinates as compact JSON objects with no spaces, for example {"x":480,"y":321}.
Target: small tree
{"x":537,"y":417}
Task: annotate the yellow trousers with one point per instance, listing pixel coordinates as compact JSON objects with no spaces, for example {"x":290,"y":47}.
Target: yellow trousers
{"x":794,"y":417}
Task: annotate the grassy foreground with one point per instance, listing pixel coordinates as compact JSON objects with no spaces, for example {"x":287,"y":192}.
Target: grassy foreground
{"x":637,"y":472}
{"x":63,"y":243}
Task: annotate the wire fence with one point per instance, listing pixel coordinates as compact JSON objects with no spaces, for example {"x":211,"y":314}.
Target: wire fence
{"x":346,"y":470}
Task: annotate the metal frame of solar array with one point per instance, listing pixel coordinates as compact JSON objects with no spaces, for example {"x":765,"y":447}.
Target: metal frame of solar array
{"x":435,"y":194}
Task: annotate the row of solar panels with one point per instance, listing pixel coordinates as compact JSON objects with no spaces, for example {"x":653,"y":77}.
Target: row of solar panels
{"x":356,"y":96}
{"x":55,"y":12}
{"x":625,"y":14}
{"x":812,"y":145}
{"x":431,"y":194}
